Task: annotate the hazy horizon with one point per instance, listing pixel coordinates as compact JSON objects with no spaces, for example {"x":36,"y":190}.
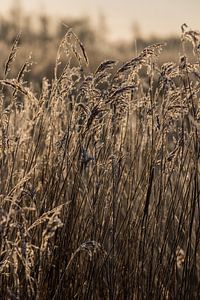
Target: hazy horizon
{"x":157,"y":18}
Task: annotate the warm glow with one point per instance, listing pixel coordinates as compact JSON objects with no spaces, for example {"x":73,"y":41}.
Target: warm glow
{"x":153,"y":16}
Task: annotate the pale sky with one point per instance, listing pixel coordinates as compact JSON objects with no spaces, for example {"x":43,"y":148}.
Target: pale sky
{"x":153,"y":16}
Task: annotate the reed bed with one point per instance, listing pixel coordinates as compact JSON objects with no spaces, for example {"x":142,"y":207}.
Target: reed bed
{"x":100,"y":182}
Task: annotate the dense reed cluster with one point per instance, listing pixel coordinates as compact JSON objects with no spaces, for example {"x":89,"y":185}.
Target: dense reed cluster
{"x":99,"y":191}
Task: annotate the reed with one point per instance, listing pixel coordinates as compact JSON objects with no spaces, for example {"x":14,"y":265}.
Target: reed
{"x":99,"y":192}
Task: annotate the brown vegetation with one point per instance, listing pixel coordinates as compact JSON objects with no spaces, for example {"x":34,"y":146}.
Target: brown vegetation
{"x":99,"y":192}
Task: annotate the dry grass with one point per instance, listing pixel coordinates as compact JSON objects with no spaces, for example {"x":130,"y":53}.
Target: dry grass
{"x":99,"y":195}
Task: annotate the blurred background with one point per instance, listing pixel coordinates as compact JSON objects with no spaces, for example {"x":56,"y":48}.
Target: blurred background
{"x":108,"y":29}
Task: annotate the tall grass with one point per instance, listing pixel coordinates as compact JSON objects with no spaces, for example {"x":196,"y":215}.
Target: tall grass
{"x":99,"y":194}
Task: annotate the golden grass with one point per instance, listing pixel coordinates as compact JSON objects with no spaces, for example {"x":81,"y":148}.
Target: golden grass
{"x":99,"y":193}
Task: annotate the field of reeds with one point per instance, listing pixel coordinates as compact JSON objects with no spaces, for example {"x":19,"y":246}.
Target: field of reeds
{"x":100,"y":182}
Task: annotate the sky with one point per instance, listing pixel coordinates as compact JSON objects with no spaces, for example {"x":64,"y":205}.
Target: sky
{"x":154,"y":17}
